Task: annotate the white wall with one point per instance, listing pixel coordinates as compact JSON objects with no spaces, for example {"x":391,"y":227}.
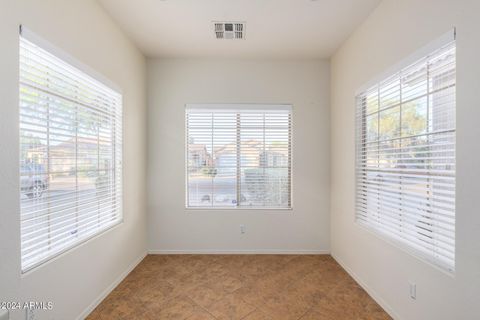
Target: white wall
{"x":172,"y":84}
{"x":394,"y":30}
{"x":74,"y":280}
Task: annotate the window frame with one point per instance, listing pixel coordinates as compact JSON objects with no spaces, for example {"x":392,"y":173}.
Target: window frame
{"x":241,"y":107}
{"x":435,"y":45}
{"x":89,"y":72}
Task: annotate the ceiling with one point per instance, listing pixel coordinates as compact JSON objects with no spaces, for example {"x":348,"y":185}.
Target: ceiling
{"x":274,"y":28}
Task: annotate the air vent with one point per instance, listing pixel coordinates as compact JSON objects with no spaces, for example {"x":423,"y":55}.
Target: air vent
{"x":229,"y":30}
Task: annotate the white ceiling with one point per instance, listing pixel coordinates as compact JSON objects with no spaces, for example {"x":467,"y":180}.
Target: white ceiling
{"x":275,"y":28}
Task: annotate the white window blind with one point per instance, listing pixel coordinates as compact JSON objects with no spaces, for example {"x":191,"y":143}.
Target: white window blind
{"x":239,"y":156}
{"x":70,"y":155}
{"x":405,"y":156}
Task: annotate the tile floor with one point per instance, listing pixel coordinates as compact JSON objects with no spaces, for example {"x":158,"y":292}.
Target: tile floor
{"x":247,"y":287}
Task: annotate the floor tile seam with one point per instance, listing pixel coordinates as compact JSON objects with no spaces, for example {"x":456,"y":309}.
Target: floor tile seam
{"x":256,"y":309}
{"x":205,"y":309}
{"x":199,"y":306}
{"x":306,"y":312}
{"x":214,"y":301}
{"x":243,"y":300}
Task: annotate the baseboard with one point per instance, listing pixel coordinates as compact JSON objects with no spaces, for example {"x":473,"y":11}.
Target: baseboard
{"x":256,"y":251}
{"x":369,"y":290}
{"x":110,"y":288}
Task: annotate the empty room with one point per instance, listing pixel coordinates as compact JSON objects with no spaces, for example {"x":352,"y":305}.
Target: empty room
{"x":239,"y":160}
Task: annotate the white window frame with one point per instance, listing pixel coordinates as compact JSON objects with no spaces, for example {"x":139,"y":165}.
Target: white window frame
{"x":240,"y":107}
{"x":423,"y":52}
{"x":95,"y":76}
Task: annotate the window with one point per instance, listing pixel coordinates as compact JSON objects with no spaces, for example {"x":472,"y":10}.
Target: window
{"x":238,"y":156}
{"x":405,"y":158}
{"x":70,"y":155}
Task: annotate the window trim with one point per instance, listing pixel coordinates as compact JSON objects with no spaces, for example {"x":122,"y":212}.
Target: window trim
{"x":424,"y":51}
{"x":439,"y":42}
{"x":59,"y":53}
{"x":239,"y":107}
{"x":68,"y":58}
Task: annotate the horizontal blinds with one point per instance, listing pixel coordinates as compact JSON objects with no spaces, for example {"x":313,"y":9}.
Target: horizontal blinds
{"x":238,"y":158}
{"x":405,"y":156}
{"x":70,"y":155}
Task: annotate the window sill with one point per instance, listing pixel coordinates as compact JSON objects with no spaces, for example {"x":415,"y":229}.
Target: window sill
{"x":195,"y":209}
{"x":70,"y":248}
{"x":398,"y":244}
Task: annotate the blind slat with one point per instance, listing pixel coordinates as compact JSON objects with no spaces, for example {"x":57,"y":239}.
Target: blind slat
{"x":238,"y":157}
{"x":70,"y":155}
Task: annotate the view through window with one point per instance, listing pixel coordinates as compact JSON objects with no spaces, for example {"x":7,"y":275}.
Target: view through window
{"x":70,"y":155}
{"x":405,"y":161}
{"x":239,"y":156}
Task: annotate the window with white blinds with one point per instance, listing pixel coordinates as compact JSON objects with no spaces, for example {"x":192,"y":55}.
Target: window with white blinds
{"x":238,"y":156}
{"x":405,"y":156}
{"x":70,"y":155}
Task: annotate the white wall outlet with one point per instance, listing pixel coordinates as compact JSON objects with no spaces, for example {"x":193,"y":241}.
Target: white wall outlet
{"x":413,"y":290}
{"x":243,"y":229}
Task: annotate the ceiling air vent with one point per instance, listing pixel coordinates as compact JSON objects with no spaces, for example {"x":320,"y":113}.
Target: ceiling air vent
{"x":229,"y":30}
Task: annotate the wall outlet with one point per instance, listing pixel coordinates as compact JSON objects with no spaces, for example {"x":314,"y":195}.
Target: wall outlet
{"x":413,"y":290}
{"x":243,"y":229}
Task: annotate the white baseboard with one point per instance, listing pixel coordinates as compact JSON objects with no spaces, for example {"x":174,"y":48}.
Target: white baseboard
{"x":110,"y":288}
{"x":369,"y":290}
{"x":256,"y":251}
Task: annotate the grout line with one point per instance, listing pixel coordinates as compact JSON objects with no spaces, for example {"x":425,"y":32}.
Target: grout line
{"x":303,"y":315}
{"x":256,"y":309}
{"x":308,"y":267}
{"x":204,"y":309}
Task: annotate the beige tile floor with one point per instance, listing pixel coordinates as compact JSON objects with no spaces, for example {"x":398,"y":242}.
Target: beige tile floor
{"x":247,"y":287}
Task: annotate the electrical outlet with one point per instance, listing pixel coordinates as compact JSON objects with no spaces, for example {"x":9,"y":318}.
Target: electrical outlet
{"x":413,"y":290}
{"x":243,"y":229}
{"x":29,"y":314}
